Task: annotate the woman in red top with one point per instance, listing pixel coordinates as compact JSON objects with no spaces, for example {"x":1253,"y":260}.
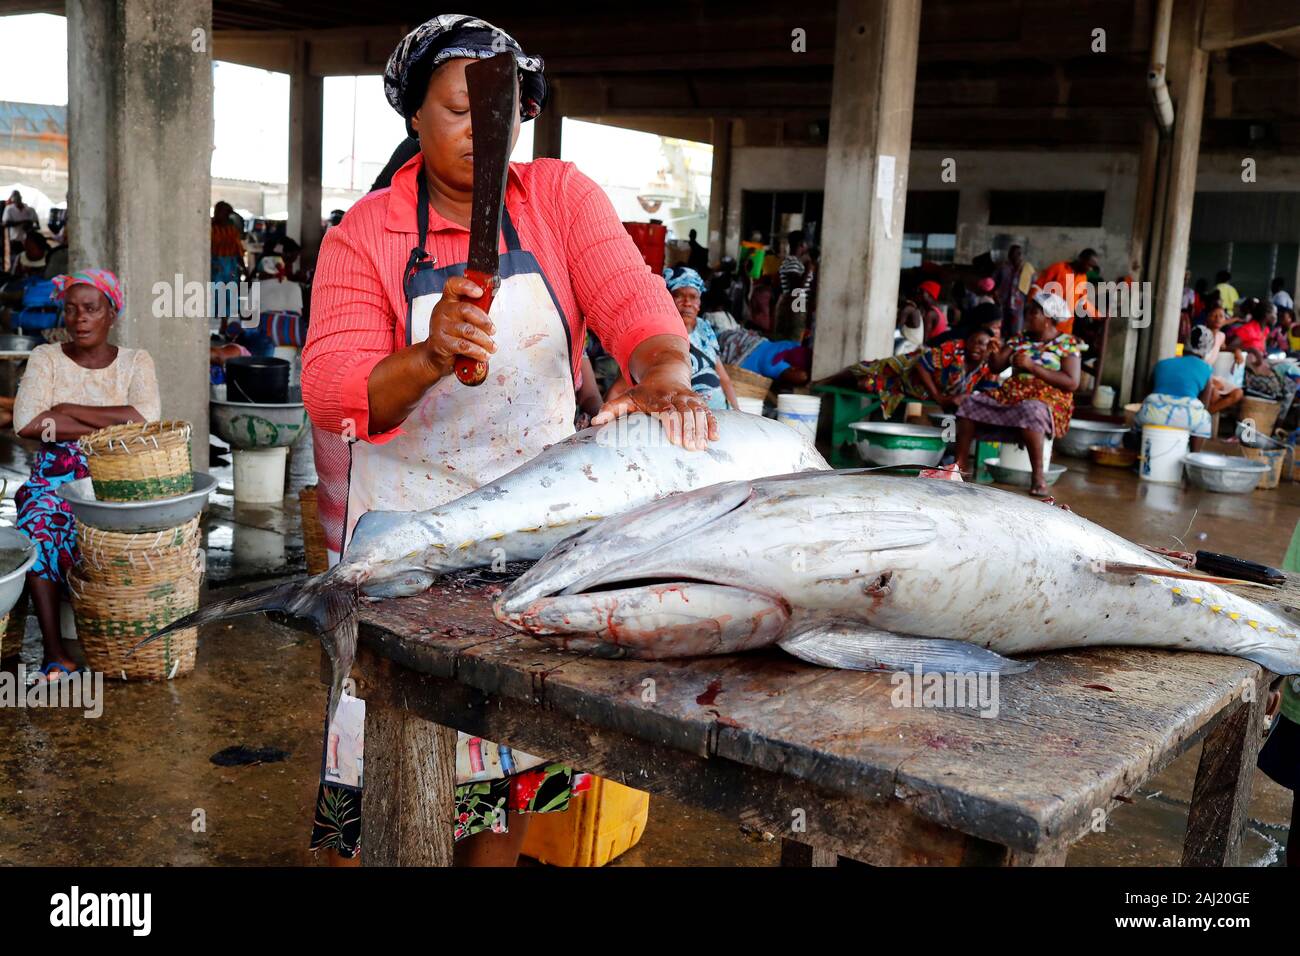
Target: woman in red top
{"x":391,"y":309}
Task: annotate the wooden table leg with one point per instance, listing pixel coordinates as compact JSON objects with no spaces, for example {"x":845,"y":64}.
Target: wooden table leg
{"x":1216,"y":820}
{"x":794,"y":853}
{"x":409,"y":794}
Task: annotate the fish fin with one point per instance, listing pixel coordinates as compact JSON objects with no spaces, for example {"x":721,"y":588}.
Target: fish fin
{"x":275,"y":598}
{"x":854,"y":646}
{"x":1120,"y":567}
{"x":1273,"y":659}
{"x":582,"y":559}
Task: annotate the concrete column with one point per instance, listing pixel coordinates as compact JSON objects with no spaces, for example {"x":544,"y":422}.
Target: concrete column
{"x":1188,"y":68}
{"x":306,"y":125}
{"x":866,"y":180}
{"x":548,"y":127}
{"x":1122,"y":342}
{"x":719,"y":189}
{"x":140,"y":144}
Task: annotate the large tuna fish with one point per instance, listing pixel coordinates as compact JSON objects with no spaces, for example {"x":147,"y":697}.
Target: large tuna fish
{"x":862,"y":571}
{"x":596,"y":473}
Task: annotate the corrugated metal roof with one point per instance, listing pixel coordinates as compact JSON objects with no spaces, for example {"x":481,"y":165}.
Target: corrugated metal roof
{"x":33,"y":127}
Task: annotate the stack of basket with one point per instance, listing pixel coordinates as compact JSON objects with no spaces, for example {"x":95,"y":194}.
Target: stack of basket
{"x":126,"y":586}
{"x":313,"y":532}
{"x":748,"y":384}
{"x":12,"y":628}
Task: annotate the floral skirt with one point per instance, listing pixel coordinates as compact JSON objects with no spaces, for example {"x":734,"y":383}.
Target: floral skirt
{"x":44,"y":516}
{"x":1175,"y":411}
{"x":485,"y":805}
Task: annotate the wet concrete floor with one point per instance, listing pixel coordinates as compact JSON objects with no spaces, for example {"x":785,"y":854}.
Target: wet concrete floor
{"x":136,"y":785}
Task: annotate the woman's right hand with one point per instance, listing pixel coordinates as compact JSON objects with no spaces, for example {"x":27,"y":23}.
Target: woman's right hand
{"x":458,"y":327}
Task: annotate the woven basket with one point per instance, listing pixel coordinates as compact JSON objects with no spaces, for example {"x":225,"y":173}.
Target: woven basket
{"x":748,"y":384}
{"x":154,"y":557}
{"x":1274,"y":458}
{"x":1261,"y":411}
{"x":113,"y":618}
{"x":313,"y":532}
{"x":13,"y":626}
{"x":141,"y":461}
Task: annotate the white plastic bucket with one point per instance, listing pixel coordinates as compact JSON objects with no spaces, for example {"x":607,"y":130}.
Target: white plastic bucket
{"x":754,"y":406}
{"x":1017,"y":457}
{"x":1163,"y":451}
{"x":1104,"y":398}
{"x":291,"y":355}
{"x":800,"y":412}
{"x":259,"y":475}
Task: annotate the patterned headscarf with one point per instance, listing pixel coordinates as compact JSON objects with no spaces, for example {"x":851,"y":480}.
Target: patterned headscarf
{"x":684,"y":278}
{"x":1053,"y":306}
{"x":1200,"y":341}
{"x":100,"y":279}
{"x":446,"y":37}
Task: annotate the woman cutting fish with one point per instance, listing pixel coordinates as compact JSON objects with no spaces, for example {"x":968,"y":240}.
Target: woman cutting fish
{"x":392,"y":309}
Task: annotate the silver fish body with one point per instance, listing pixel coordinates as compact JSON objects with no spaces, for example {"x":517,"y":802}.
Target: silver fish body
{"x":572,"y":484}
{"x":856,"y":570}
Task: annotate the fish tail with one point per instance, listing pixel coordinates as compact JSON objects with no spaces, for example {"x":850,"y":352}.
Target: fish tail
{"x":327,"y":602}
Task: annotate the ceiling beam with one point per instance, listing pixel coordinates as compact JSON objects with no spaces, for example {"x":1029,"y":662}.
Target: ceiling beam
{"x":1232,"y":23}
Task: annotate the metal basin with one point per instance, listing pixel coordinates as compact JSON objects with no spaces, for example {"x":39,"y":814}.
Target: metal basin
{"x":1019,"y":477}
{"x":894,"y":443}
{"x":1085,"y":435}
{"x":251,"y":425}
{"x":19,"y":343}
{"x":135,"y":516}
{"x":1224,"y":473}
{"x":11,"y":581}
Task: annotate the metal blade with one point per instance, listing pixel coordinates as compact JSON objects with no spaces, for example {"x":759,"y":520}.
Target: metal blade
{"x":493,"y":96}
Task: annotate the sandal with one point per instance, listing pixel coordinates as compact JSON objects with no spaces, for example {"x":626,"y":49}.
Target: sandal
{"x":45,"y":673}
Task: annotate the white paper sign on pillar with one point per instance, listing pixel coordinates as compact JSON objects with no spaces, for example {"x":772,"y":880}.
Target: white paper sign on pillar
{"x":885,"y":191}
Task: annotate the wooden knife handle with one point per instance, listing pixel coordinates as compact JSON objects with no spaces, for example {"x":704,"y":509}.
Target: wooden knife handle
{"x":471,"y":371}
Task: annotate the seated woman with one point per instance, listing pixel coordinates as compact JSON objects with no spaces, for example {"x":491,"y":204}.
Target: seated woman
{"x":1038,"y":399}
{"x":1183,"y":393}
{"x":780,"y":360}
{"x":709,"y":378}
{"x":69,"y":391}
{"x":945,"y":374}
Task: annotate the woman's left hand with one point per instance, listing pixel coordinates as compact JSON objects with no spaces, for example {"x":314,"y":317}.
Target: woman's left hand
{"x":665,"y":392}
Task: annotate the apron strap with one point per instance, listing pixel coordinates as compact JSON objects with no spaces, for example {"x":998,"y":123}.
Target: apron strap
{"x":418,"y":253}
{"x":508,"y":229}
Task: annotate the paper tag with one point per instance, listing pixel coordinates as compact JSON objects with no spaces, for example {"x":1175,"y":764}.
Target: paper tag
{"x":344,"y":763}
{"x":885,"y":191}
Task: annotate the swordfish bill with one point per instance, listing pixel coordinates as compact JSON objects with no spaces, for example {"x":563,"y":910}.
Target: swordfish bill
{"x":493,"y":98}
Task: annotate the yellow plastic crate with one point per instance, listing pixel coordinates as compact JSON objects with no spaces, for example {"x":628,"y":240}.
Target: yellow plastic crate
{"x":599,"y":825}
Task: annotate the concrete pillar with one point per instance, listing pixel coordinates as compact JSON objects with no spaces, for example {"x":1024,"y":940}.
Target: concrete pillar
{"x":140,"y":144}
{"x":1122,"y":341}
{"x":306,"y":125}
{"x":719,"y":189}
{"x":1188,"y":68}
{"x":866,"y":180}
{"x":548,"y":127}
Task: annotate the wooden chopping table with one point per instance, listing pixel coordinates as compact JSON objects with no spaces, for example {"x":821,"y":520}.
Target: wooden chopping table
{"x":820,"y":757}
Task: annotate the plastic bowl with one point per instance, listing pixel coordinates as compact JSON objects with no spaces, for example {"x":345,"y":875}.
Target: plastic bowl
{"x":1085,"y":435}
{"x":1224,"y":473}
{"x":1019,"y":477}
{"x":894,"y":443}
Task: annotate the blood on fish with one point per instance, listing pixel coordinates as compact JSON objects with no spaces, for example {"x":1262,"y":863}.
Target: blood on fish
{"x":710,"y":693}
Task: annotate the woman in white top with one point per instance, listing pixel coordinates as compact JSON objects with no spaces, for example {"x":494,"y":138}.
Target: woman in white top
{"x":68,"y":391}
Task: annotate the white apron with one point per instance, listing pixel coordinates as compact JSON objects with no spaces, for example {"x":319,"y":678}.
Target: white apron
{"x":459,"y":438}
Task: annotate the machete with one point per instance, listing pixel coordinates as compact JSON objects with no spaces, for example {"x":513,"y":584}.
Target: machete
{"x":493,"y":104}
